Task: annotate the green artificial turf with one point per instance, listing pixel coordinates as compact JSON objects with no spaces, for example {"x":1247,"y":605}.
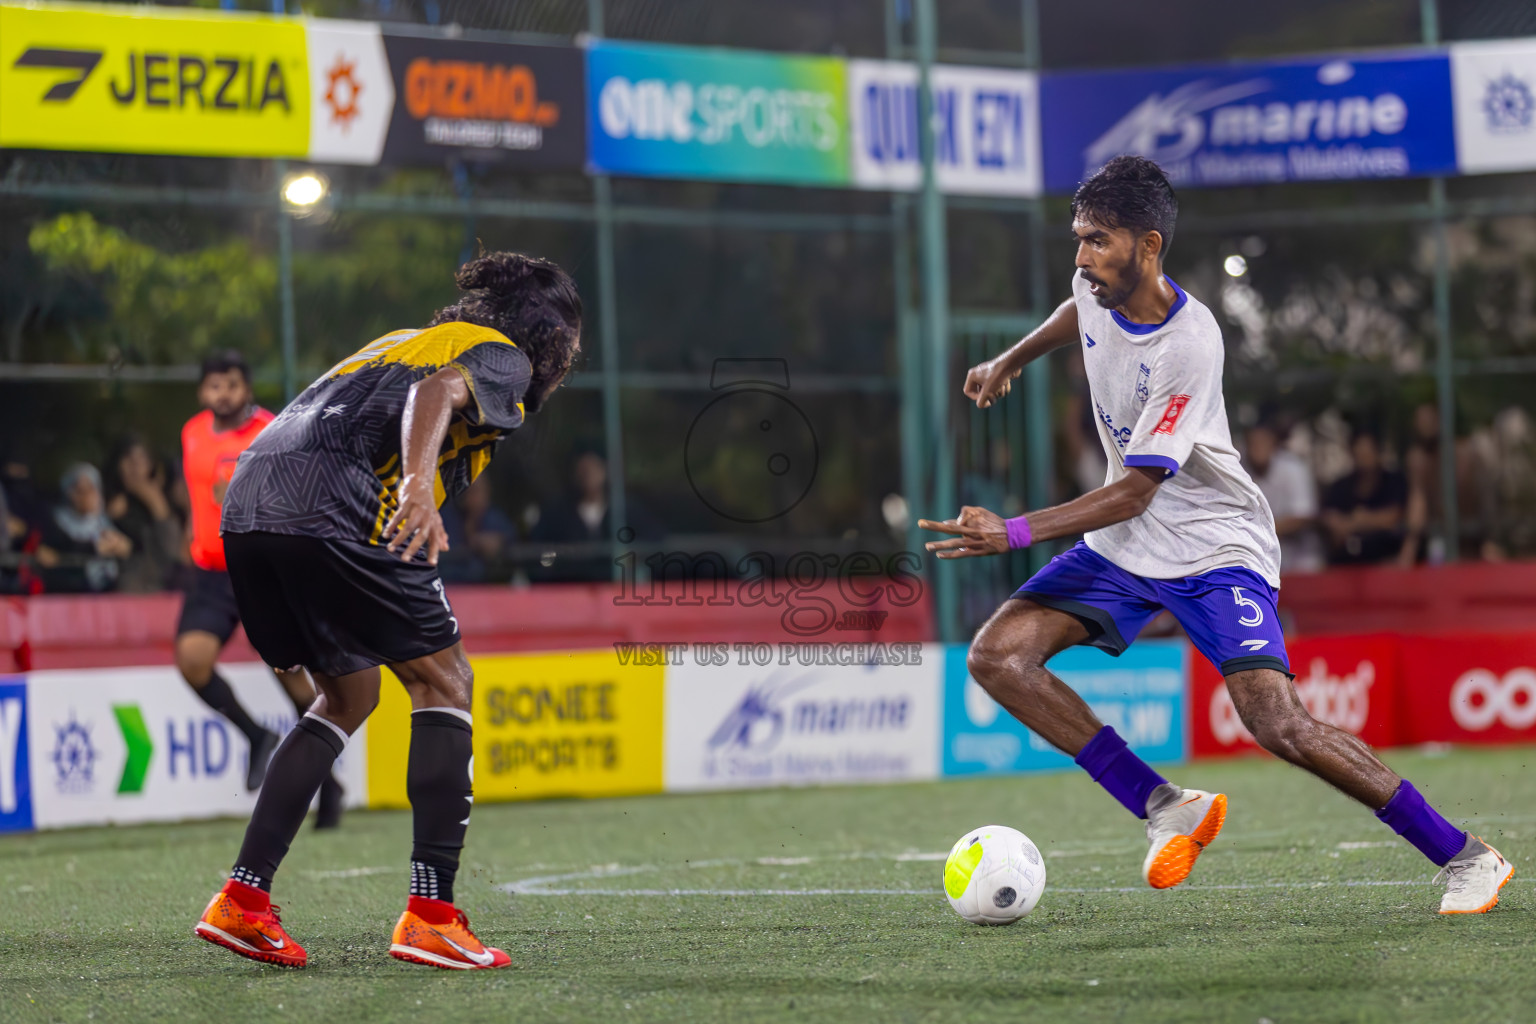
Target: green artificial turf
{"x":706,"y":908}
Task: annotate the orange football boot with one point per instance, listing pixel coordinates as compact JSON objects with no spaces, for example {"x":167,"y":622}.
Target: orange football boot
{"x":242,"y":918}
{"x":437,"y":934}
{"x":1177,"y":834}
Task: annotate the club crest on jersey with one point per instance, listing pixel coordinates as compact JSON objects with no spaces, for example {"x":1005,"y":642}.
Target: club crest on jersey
{"x":1171,"y":415}
{"x":1143,"y":383}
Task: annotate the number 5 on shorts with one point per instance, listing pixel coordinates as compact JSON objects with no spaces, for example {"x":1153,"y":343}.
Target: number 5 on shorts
{"x":1237,"y":596}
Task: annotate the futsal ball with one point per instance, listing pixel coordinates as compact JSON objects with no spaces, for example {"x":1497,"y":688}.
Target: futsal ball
{"x":994,"y":875}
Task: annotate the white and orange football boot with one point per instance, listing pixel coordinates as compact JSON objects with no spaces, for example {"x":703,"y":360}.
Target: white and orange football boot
{"x":437,"y":934}
{"x":242,"y":918}
{"x":1473,"y":879}
{"x":1178,"y":830}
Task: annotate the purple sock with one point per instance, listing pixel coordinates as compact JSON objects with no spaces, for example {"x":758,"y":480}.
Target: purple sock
{"x":1127,"y":777}
{"x":1412,"y":818}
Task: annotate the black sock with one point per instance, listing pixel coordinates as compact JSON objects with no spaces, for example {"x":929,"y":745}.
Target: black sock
{"x":438,"y":785}
{"x":301,"y":763}
{"x":222,"y":699}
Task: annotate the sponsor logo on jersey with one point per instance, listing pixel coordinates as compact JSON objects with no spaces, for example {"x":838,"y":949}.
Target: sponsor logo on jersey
{"x":1171,"y":415}
{"x":1143,"y":383}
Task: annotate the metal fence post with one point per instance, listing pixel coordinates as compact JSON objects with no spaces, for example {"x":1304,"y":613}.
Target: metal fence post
{"x":290,"y":331}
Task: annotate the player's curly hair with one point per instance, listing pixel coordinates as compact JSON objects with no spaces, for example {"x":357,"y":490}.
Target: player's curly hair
{"x":531,"y":301}
{"x":1130,"y":192}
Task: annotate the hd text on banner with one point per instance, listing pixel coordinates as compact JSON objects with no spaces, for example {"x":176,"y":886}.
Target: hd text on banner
{"x":1141,"y":693}
{"x":129,"y":745}
{"x":730,"y":115}
{"x":1384,"y":116}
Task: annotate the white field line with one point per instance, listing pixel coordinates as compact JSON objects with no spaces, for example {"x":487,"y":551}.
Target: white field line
{"x":353,"y":872}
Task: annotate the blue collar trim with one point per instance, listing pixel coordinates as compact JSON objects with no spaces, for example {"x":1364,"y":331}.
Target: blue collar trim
{"x":1178,"y":304}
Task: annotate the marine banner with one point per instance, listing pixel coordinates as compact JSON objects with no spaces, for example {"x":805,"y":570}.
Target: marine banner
{"x":138,"y":79}
{"x":1322,"y":118}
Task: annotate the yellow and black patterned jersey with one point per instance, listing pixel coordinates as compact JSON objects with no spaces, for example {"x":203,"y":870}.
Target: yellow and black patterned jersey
{"x":329,"y":465}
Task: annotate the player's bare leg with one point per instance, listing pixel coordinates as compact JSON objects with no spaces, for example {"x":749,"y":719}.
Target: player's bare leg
{"x":1272,"y":711}
{"x":1007,"y":658}
{"x":438,"y":780}
{"x":197,"y":655}
{"x":241,"y":916}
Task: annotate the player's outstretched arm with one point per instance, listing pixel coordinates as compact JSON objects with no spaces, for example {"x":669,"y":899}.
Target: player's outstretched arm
{"x":428,"y":409}
{"x":987,"y":382}
{"x":976,"y":531}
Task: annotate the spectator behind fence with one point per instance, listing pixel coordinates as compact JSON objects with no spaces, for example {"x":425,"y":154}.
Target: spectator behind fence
{"x":1363,"y":510}
{"x":1476,"y":496}
{"x":1286,"y":482}
{"x":582,"y":517}
{"x":138,"y":502}
{"x":478,"y":535}
{"x":90,"y":549}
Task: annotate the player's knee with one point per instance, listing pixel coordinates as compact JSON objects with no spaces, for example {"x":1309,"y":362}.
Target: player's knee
{"x":1282,"y":732}
{"x":997,"y":665}
{"x":194,"y":668}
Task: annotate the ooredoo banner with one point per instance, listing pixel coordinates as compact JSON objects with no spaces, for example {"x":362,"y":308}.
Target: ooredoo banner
{"x":733,"y":115}
{"x":1469,"y":688}
{"x":1140,"y":693}
{"x":524,"y":105}
{"x":1351,"y":116}
{"x":1351,"y":682}
{"x":139,"y":79}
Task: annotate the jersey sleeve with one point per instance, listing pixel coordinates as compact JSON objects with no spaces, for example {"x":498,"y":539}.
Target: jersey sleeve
{"x":497,"y":374}
{"x":1184,"y":392}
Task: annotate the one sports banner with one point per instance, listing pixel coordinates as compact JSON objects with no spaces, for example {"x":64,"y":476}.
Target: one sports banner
{"x":352,"y":96}
{"x":135,"y":79}
{"x":1495,"y":88}
{"x":681,"y":112}
{"x":114,"y":746}
{"x":986,"y":128}
{"x":1359,"y":116}
{"x":1141,"y":693}
{"x":1352,"y":682}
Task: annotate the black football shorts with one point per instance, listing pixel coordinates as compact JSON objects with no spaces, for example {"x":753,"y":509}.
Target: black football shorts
{"x":208,"y":605}
{"x":336,"y":606}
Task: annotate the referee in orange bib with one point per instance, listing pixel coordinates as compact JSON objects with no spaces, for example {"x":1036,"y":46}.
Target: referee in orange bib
{"x":211,"y":443}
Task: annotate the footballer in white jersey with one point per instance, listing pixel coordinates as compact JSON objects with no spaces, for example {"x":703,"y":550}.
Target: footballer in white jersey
{"x":1178,"y":525}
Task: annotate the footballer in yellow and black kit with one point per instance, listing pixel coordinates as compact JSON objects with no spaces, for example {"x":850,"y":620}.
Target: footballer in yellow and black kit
{"x":305,"y":511}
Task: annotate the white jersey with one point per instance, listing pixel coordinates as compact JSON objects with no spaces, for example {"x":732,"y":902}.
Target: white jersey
{"x":1156,"y":392}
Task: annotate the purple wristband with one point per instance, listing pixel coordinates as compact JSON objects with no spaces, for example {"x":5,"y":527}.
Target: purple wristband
{"x":1018,"y":532}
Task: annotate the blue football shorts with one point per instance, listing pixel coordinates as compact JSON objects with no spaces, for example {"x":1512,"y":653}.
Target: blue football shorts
{"x":1229,"y":613}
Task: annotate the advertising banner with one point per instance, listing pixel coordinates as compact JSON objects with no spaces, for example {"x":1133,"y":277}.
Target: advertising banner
{"x":136,"y":79}
{"x":1255,"y":123}
{"x":1494,"y":84}
{"x":15,"y":767}
{"x":350,"y":91}
{"x":564,"y":724}
{"x":1140,"y":693}
{"x":986,"y":128}
{"x":786,"y":724}
{"x":1469,"y":688}
{"x":112,"y":746}
{"x":672,"y":111}
{"x":486,"y":101}
{"x":1348,"y":681}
